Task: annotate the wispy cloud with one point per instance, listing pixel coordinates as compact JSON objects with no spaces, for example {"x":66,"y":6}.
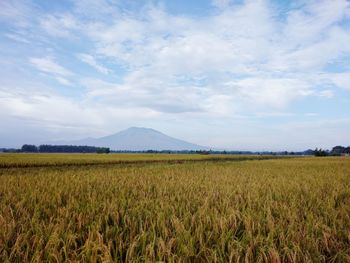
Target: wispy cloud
{"x":90,"y":60}
{"x":342,"y":79}
{"x":17,"y":12}
{"x":271,"y":61}
{"x":59,"y":25}
{"x":48,"y":65}
{"x":17,"y":37}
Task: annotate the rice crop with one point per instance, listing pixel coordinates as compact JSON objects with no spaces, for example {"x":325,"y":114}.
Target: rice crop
{"x":277,"y":210}
{"x":64,"y":159}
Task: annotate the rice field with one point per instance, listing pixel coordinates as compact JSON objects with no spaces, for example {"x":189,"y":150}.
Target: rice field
{"x":44,"y":160}
{"x":239,"y":210}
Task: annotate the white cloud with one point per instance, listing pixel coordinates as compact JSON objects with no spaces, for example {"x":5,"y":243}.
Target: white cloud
{"x":17,"y":12}
{"x":52,"y":110}
{"x":64,"y":81}
{"x":326,"y":93}
{"x":96,"y":9}
{"x":342,"y":80}
{"x":272,"y":92}
{"x":275,"y":62}
{"x":221,"y":3}
{"x":90,"y":60}
{"x":18,"y":38}
{"x":158,"y":97}
{"x":49,"y":109}
{"x":48,"y":65}
{"x":59,"y":25}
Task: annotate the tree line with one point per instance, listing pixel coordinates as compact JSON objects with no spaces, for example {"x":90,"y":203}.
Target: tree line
{"x":336,"y":151}
{"x":63,"y":149}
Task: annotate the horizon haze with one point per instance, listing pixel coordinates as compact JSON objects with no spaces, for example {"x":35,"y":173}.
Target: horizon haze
{"x":237,"y":75}
{"x":136,"y":139}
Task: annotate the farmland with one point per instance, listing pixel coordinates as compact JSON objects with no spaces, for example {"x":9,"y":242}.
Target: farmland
{"x":47,"y":160}
{"x":131,"y":208}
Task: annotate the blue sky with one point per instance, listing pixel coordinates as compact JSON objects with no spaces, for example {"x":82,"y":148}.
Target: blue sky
{"x":242,"y":75}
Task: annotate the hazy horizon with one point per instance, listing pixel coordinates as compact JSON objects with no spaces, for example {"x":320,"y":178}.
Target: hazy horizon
{"x":238,"y":75}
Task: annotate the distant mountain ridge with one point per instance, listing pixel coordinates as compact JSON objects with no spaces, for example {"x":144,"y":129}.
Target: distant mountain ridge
{"x":138,"y":139}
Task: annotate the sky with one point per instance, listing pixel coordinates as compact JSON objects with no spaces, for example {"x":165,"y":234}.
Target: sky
{"x":239,"y":75}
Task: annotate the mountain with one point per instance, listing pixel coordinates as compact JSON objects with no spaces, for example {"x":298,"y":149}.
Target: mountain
{"x":138,"y":139}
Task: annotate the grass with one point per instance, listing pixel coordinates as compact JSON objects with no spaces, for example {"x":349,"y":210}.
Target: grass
{"x":279,"y":210}
{"x":45,"y":160}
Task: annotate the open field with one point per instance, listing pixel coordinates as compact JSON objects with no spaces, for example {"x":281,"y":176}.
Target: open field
{"x":277,"y":210}
{"x":75,"y":159}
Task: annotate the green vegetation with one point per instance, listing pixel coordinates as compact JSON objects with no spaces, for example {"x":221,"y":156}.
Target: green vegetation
{"x":44,"y":148}
{"x":278,"y":210}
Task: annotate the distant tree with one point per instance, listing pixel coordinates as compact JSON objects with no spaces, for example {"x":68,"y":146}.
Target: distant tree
{"x":320,"y":152}
{"x":29,"y":148}
{"x":72,"y":149}
{"x":309,"y":152}
{"x":103,"y":150}
{"x":10,"y":150}
{"x":338,"y":150}
{"x":347,"y":150}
